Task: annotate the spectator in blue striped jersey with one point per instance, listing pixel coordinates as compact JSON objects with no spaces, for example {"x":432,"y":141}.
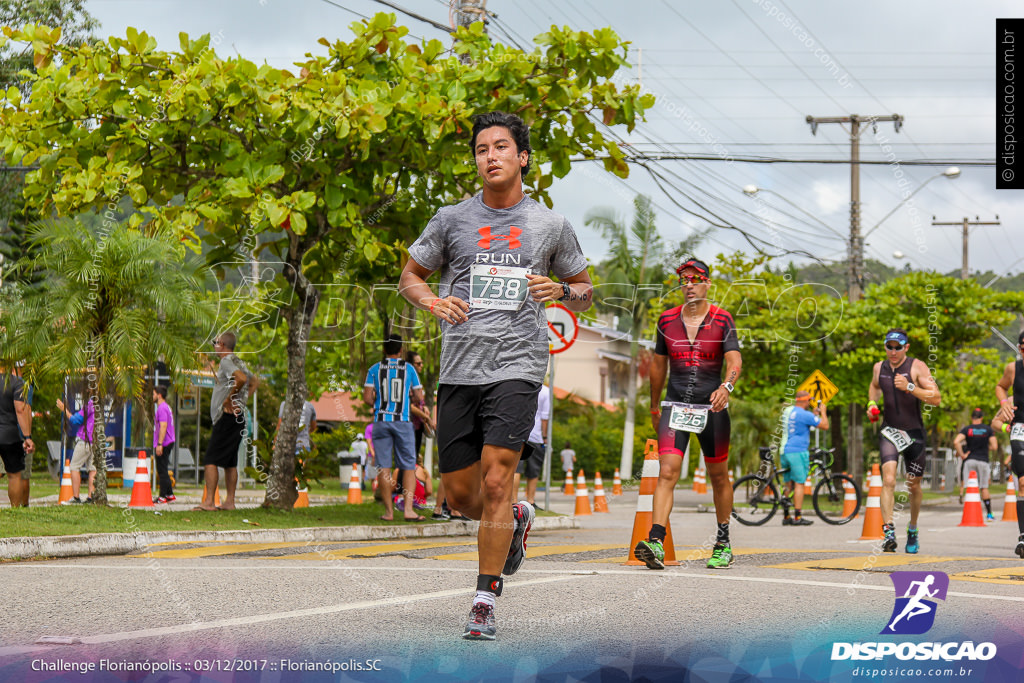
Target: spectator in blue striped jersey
{"x":391,"y":387}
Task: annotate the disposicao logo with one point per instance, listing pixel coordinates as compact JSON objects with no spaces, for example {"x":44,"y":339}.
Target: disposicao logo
{"x":914,"y":614}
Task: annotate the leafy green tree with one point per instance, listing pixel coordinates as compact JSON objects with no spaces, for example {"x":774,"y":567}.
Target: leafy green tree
{"x":301,"y":170}
{"x":109,"y":303}
{"x":76,"y":25}
{"x":633,"y":273}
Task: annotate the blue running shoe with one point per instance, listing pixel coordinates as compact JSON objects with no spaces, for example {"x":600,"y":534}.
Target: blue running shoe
{"x":913,"y":545}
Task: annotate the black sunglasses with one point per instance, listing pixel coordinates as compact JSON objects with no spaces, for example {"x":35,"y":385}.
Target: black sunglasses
{"x":897,"y":347}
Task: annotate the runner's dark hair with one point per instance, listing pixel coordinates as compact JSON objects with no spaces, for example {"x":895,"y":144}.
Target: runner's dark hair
{"x":519,"y":130}
{"x":393,"y":345}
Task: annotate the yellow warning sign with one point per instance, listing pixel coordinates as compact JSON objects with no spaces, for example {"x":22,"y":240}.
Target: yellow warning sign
{"x":819,"y":386}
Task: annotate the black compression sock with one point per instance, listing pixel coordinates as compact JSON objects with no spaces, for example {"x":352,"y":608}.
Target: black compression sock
{"x":722,"y":535}
{"x":988,"y":505}
{"x":657,"y":533}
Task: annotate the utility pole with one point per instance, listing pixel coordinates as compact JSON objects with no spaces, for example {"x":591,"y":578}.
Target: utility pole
{"x":855,"y":266}
{"x":855,"y":248}
{"x":469,"y":11}
{"x":965,"y":224}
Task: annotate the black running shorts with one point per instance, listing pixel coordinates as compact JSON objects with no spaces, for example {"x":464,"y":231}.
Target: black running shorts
{"x":714,"y":440}
{"x":532,"y":460}
{"x":225,"y":438}
{"x":472,"y":415}
{"x":13,"y":455}
{"x":914,"y":455}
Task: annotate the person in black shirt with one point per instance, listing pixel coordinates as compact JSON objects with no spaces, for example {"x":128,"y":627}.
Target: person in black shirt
{"x":979,"y":439}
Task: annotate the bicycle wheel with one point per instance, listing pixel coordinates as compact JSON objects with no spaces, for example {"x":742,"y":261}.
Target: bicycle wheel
{"x":754,"y":500}
{"x":830,"y":499}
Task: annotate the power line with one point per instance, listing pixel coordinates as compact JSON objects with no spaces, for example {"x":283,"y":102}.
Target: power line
{"x":414,"y":15}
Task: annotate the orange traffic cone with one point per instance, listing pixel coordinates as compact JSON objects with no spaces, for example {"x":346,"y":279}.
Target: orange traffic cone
{"x":600,"y":502}
{"x":303,"y":500}
{"x":699,"y":481}
{"x":873,"y":508}
{"x":849,"y":498}
{"x":942,"y":482}
{"x":1010,"y":502}
{"x":645,"y":505}
{"x":973,"y":514}
{"x":569,"y":489}
{"x":617,"y":484}
{"x":582,"y":501}
{"x":142,"y":492}
{"x":65,"y":483}
{"x":808,"y":486}
{"x":355,"y":491}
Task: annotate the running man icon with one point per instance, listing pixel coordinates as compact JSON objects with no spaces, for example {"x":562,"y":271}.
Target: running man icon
{"x":915,"y":588}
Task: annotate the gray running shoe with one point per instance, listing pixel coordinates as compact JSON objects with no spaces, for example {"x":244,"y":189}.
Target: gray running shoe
{"x":481,"y":623}
{"x":889,"y":544}
{"x":523,"y":514}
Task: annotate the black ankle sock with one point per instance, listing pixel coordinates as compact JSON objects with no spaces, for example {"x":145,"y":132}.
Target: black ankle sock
{"x":797,"y":513}
{"x":722,"y":535}
{"x":491,"y":584}
{"x":657,"y":533}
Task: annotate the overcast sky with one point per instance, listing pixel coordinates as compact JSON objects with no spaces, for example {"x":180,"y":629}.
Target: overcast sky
{"x":736,"y":79}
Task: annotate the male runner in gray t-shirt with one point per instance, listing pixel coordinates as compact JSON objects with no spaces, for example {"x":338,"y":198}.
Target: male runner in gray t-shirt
{"x":495,"y":252}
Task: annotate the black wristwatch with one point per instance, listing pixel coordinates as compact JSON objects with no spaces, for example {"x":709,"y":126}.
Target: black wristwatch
{"x":566,"y":292}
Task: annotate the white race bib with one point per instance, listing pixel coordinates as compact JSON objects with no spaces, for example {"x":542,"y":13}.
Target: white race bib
{"x":1017,"y":432}
{"x":501,"y":288}
{"x":686,"y":417}
{"x":897,"y":437}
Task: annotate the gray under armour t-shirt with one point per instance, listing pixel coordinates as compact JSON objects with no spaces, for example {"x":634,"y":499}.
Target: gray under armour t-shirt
{"x":496,"y":345}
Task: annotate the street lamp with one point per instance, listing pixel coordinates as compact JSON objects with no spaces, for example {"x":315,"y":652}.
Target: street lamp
{"x":753,"y":190}
{"x":951,"y":172}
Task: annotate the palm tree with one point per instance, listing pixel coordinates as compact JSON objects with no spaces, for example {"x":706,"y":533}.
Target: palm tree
{"x":110,"y":301}
{"x":635,"y":264}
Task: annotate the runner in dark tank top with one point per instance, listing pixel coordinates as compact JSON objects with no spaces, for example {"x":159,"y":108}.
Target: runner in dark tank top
{"x":902,"y":383}
{"x":1010,"y":415}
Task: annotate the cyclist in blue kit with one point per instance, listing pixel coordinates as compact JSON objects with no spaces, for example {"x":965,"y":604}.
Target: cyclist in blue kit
{"x":495,"y":252}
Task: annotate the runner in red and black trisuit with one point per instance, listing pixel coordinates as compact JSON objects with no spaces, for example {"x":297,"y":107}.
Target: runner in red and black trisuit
{"x":693,"y":342}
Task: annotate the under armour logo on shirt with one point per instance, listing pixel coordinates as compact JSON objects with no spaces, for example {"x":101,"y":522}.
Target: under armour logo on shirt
{"x":511,"y":238}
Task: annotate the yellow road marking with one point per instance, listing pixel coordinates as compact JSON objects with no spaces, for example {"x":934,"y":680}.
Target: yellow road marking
{"x":1005,"y":575}
{"x":214,"y":550}
{"x":538,"y":551}
{"x":369,"y":550}
{"x":861,"y":562}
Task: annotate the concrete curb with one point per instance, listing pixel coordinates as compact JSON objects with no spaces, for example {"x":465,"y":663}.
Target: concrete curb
{"x":85,"y":545}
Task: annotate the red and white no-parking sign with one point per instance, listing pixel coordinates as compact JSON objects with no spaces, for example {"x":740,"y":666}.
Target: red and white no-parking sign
{"x":562,"y":327}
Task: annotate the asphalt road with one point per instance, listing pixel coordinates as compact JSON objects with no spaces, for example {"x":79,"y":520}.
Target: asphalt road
{"x":399,"y":606}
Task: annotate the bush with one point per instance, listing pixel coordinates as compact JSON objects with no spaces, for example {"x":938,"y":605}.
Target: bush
{"x":596,"y":436}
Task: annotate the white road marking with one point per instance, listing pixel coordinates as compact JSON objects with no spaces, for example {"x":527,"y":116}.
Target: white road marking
{"x":565,"y":574}
{"x":273,"y":616}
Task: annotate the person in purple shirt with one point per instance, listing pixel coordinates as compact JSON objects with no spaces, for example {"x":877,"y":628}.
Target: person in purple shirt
{"x":163,"y":443}
{"x":85,"y":420}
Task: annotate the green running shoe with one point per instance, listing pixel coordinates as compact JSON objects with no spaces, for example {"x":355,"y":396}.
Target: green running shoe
{"x":651,"y":553}
{"x":721,"y":557}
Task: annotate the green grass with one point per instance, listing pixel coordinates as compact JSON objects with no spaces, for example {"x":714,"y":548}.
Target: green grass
{"x":90,"y":519}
